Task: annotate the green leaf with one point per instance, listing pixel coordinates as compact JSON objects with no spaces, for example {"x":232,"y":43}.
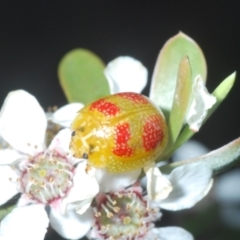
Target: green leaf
{"x":5,"y":211}
{"x":181,"y":100}
{"x":81,"y":76}
{"x":166,"y":68}
{"x":220,"y":93}
{"x":217,"y":160}
{"x":9,"y":206}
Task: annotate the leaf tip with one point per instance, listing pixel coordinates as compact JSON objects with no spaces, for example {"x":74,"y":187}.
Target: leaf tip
{"x":233,"y":76}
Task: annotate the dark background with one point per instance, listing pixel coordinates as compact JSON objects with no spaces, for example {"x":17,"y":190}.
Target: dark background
{"x":34,"y":35}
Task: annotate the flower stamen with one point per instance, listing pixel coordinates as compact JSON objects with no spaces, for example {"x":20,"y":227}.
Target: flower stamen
{"x":47,"y":176}
{"x":123,"y":216}
{"x":109,"y":214}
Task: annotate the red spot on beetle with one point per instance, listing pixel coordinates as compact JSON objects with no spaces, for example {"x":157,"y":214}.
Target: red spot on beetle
{"x":136,"y":98}
{"x":105,"y":107}
{"x":152,"y":132}
{"x":121,"y":140}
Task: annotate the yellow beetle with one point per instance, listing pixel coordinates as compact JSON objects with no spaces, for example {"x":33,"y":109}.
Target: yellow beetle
{"x":120,"y":132}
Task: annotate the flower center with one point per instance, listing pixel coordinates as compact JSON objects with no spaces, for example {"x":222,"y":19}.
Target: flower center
{"x":124,"y":215}
{"x":47,"y":177}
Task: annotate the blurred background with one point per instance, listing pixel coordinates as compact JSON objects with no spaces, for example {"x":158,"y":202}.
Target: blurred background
{"x":34,"y":36}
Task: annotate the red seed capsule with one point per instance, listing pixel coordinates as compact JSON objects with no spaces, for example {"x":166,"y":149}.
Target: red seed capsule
{"x":120,"y":132}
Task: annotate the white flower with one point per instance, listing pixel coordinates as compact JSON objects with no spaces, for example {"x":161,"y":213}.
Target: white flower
{"x":127,"y":214}
{"x":44,"y":176}
{"x":182,"y":188}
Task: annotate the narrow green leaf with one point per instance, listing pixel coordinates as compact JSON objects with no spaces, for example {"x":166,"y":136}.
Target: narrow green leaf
{"x":181,"y":100}
{"x":220,"y":93}
{"x":5,"y":211}
{"x":166,"y":68}
{"x":217,"y":160}
{"x":81,"y":76}
{"x":9,"y":206}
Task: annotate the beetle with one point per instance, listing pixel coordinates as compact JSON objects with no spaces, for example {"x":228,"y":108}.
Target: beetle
{"x":120,"y":132}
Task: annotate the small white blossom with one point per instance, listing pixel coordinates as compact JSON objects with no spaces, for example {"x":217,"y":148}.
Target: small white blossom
{"x":119,"y":193}
{"x":43,"y":175}
{"x":129,"y":214}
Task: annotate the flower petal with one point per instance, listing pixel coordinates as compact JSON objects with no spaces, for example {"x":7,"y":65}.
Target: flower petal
{"x":22,"y":121}
{"x":84,"y":205}
{"x":61,"y":141}
{"x":158,"y":186}
{"x":8,"y":156}
{"x":85,"y":187}
{"x":126,"y":74}
{"x":8,"y":187}
{"x":171,"y":233}
{"x":3,"y":143}
{"x":65,"y":115}
{"x":202,"y":101}
{"x":191,"y":183}
{"x":114,"y":182}
{"x":28,"y":223}
{"x":71,"y":225}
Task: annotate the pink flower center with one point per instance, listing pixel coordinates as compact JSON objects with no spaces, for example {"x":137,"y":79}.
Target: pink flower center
{"x":46,"y":177}
{"x":123,"y":215}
